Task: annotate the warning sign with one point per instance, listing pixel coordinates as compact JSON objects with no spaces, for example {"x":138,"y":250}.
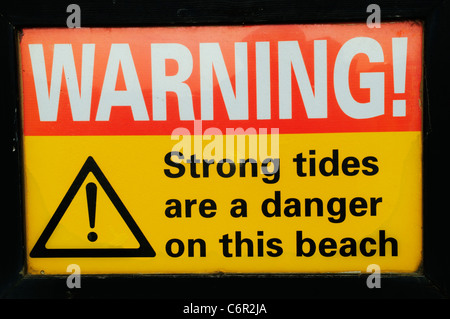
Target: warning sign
{"x":245,"y":149}
{"x":40,"y":249}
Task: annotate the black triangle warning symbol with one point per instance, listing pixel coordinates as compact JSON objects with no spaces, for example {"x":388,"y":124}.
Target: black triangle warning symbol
{"x":90,"y":166}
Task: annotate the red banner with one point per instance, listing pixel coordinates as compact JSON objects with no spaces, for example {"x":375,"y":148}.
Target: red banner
{"x":149,"y":81}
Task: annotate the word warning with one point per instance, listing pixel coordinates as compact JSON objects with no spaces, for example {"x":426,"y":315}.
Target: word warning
{"x":239,"y":149}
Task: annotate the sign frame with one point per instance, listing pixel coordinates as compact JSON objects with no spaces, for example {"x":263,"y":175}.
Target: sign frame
{"x":433,"y":279}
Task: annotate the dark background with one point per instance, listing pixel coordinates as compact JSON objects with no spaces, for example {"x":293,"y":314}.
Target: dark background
{"x":432,"y":282}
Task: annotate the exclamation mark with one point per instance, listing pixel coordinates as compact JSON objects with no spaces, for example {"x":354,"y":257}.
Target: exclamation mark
{"x":91,"y":194}
{"x":399,"y":53}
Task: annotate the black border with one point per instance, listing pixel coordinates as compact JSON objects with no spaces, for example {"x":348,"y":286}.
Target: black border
{"x":432,"y":282}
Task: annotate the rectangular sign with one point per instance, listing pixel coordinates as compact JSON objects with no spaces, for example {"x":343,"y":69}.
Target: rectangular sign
{"x":243,"y":149}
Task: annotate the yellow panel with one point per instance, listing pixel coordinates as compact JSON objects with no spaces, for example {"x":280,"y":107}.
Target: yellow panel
{"x":381,"y":200}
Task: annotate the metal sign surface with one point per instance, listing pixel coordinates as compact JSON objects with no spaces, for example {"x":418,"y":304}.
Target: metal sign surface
{"x":245,"y":149}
